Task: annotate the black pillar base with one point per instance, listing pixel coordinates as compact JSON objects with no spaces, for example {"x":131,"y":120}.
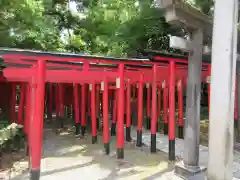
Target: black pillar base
{"x":77,"y":126}
{"x":157,"y":126}
{"x":94,"y":139}
{"x":98,"y":123}
{"x":171,"y":152}
{"x":165,"y":129}
{"x":180,"y":132}
{"x":89,"y":123}
{"x":125,"y":119}
{"x":153,"y":143}
{"x":89,"y":119}
{"x":61,"y":122}
{"x":113,"y":129}
{"x":235,"y":124}
{"x":120,"y":153}
{"x":27,"y":150}
{"x":148,"y":123}
{"x":128,"y":134}
{"x":139,"y":138}
{"x":35,"y":174}
{"x":83,"y":130}
{"x":107,"y":148}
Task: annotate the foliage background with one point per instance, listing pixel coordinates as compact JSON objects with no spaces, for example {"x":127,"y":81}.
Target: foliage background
{"x":103,"y":27}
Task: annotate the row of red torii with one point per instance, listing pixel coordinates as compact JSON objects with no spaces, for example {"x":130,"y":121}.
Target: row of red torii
{"x":125,"y":77}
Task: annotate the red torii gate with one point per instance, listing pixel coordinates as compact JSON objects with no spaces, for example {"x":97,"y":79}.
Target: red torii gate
{"x":37,"y":68}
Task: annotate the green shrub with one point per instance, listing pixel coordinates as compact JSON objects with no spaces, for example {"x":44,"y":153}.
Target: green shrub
{"x":12,"y":138}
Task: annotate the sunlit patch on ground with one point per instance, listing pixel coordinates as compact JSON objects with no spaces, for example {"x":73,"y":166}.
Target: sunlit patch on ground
{"x":67,"y":157}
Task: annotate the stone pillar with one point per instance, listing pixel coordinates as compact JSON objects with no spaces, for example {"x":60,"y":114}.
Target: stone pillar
{"x":192,"y":128}
{"x":238,"y":89}
{"x":190,"y":167}
{"x":224,"y":49}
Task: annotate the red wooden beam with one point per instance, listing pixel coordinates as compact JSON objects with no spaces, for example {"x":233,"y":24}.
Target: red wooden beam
{"x":64,"y":76}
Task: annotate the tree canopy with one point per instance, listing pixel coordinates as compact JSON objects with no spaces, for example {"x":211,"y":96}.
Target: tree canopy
{"x":104,"y":27}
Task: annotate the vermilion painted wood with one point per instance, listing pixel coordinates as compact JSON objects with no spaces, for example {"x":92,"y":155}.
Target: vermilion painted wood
{"x":97,"y":100}
{"x":13,"y":103}
{"x":165,"y":104}
{"x":83,"y":105}
{"x":140,"y":104}
{"x":27,"y":108}
{"x":76,"y":103}
{"x":105,"y":100}
{"x":115,"y":102}
{"x":148,"y":101}
{"x":171,"y":122}
{"x":111,"y":73}
{"x":128,"y":104}
{"x":180,"y":103}
{"x":73,"y":76}
{"x":21,"y":104}
{"x":93,"y":110}
{"x":154,"y":101}
{"x":57,"y":104}
{"x":61,"y":100}
{"x":159,"y":100}
{"x":36,"y":124}
{"x":120,"y":115}
{"x":50,"y":100}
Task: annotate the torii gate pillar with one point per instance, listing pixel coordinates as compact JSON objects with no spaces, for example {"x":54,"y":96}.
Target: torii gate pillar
{"x":179,"y":13}
{"x":224,"y":55}
{"x":238,"y":99}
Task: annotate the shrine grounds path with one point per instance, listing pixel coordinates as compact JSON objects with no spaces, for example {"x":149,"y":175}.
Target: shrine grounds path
{"x":66,"y":157}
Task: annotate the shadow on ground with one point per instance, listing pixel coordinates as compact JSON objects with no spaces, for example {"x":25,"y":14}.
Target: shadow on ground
{"x":68,"y":157}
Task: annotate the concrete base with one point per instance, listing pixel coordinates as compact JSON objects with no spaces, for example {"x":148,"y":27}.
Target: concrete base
{"x":189,"y":172}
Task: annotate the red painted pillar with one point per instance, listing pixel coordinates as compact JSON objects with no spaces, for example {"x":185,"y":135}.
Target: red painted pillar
{"x":31,"y":113}
{"x":76,"y":108}
{"x":154,"y":110}
{"x":83,"y":109}
{"x":120,"y":120}
{"x":59,"y":104}
{"x":148,"y":120}
{"x":21,"y":104}
{"x":50,"y":101}
{"x":88,"y":101}
{"x":236,"y":103}
{"x":111,"y":101}
{"x":134,"y":91}
{"x":36,"y":125}
{"x":165,"y":108}
{"x":97,"y":104}
{"x":171,"y":126}
{"x":104,"y":87}
{"x":57,"y":100}
{"x":93,"y":112}
{"x":114,"y":120}
{"x":140,"y":111}
{"x":13,"y":103}
{"x":61,"y":100}
{"x":159,"y":102}
{"x":27,"y":114}
{"x":180,"y":109}
{"x":27,"y":108}
{"x":128,"y":111}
